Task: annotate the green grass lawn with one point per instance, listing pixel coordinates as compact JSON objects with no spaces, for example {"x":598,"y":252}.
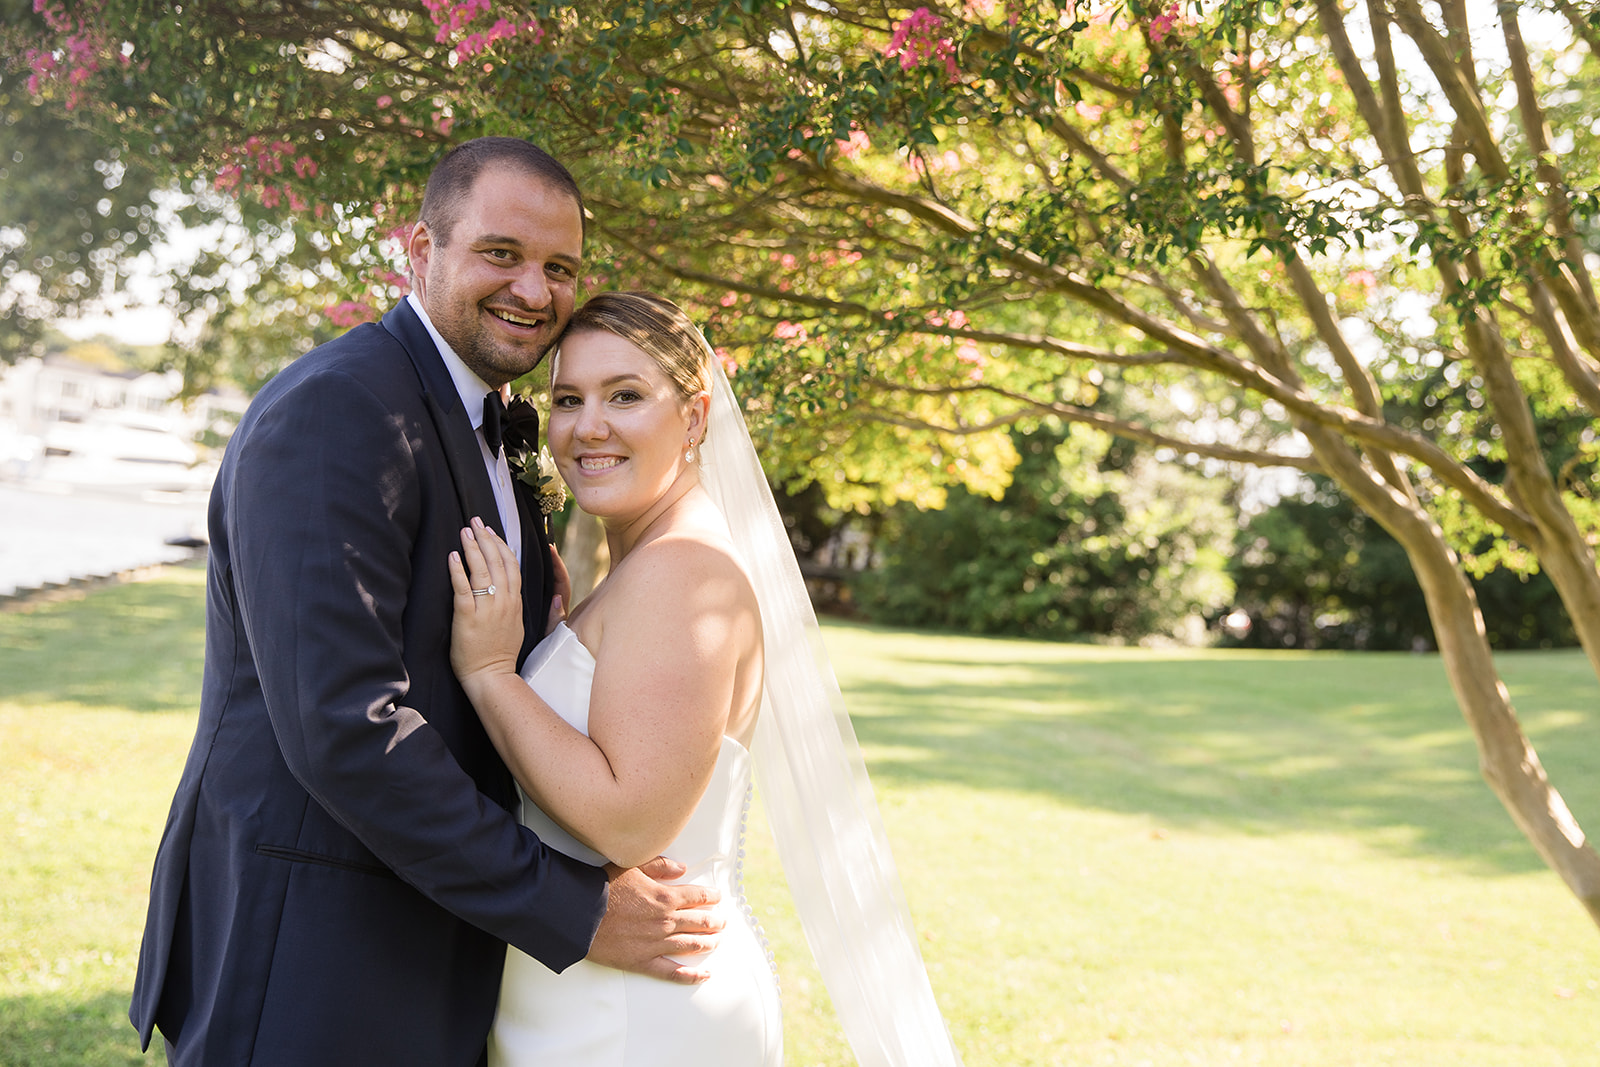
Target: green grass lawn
{"x":1113,"y":856}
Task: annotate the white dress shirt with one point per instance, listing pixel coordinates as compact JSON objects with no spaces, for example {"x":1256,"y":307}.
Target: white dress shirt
{"x":472,"y":389}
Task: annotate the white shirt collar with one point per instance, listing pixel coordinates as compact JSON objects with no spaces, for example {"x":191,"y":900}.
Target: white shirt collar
{"x":471,"y":387}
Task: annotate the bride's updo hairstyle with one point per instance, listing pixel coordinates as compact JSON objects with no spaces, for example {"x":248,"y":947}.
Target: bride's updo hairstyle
{"x":657,"y":327}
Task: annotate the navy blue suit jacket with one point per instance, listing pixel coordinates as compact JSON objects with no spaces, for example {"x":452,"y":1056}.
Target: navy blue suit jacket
{"x":342,"y":865}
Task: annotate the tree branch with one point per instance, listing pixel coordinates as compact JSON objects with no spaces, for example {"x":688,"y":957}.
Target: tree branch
{"x":1083,"y":416}
{"x":1370,"y":432}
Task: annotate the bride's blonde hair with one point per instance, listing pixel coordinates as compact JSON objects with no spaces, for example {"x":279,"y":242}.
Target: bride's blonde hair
{"x":657,"y":327}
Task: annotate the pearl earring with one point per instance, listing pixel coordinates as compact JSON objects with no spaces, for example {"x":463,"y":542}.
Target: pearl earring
{"x":688,"y":455}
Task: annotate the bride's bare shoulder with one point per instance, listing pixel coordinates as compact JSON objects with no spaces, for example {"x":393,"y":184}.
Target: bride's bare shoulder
{"x":689,"y":569}
{"x":690,"y":558}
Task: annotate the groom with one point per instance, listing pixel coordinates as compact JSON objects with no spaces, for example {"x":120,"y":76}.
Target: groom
{"x":342,"y":866}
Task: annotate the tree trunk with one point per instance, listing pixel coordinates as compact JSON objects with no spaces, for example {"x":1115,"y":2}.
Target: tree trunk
{"x":1504,"y":754}
{"x":584,"y":551}
{"x":1506,"y":758}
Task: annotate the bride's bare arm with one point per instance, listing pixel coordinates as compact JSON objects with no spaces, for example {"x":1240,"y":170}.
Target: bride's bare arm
{"x":667,"y":664}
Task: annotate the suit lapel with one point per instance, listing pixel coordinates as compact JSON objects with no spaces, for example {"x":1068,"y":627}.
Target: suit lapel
{"x":536,"y":566}
{"x":453,"y":425}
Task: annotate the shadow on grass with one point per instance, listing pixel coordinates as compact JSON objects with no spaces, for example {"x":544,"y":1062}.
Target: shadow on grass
{"x":1252,"y":742}
{"x":138,"y":645}
{"x":48,"y":1031}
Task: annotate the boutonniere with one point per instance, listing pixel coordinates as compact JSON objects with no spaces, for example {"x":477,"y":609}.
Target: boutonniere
{"x":530,"y":464}
{"x":538,"y":470}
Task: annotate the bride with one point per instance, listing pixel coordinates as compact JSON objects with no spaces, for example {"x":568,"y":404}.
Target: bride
{"x":636,"y":725}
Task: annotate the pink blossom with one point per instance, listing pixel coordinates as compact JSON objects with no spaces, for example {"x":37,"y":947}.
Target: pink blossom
{"x":43,"y":65}
{"x":305,"y":167}
{"x":789,"y":331}
{"x":55,"y":15}
{"x":453,"y":18}
{"x":858,"y":143}
{"x":80,"y":50}
{"x":729,"y":299}
{"x":1161,"y":25}
{"x":968,"y":353}
{"x":730,"y":366}
{"x":348,"y":313}
{"x":385,"y":100}
{"x":958,"y":319}
{"x":74,"y":61}
{"x":917,"y":40}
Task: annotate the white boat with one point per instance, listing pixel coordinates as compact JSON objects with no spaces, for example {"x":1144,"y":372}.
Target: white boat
{"x":123,"y":450}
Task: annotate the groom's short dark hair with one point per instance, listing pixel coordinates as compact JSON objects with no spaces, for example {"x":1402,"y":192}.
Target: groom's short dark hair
{"x":454,"y":176}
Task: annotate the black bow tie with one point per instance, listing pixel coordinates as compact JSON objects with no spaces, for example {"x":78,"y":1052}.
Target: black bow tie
{"x":494,"y":421}
{"x":521,"y":432}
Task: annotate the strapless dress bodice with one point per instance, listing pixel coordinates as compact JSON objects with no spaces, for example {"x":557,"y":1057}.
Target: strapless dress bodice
{"x":593,"y":1016}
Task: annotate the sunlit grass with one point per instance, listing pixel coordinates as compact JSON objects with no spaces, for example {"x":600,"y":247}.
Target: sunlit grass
{"x":1125,"y":857}
{"x":97,"y":702}
{"x":1113,"y":856}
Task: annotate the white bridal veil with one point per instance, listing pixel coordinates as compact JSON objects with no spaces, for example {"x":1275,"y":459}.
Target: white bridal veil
{"x":814,"y":784}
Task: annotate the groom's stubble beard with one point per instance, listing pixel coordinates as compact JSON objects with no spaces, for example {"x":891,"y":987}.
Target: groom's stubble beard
{"x":497,"y":362}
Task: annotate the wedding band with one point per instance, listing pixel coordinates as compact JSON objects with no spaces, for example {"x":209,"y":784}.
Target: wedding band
{"x":484,"y":592}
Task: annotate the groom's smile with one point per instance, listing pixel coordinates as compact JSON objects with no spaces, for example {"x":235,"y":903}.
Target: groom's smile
{"x":517,"y":320}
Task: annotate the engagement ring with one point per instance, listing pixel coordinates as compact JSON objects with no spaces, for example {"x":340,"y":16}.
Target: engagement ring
{"x":484,"y":592}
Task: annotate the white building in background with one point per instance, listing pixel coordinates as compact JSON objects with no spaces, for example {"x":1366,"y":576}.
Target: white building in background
{"x":73,"y":425}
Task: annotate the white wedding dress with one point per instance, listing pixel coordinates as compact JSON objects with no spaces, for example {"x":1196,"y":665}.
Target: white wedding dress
{"x":593,"y":1016}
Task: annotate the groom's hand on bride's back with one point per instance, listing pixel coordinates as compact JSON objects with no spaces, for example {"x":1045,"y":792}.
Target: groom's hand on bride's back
{"x":648,"y":921}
